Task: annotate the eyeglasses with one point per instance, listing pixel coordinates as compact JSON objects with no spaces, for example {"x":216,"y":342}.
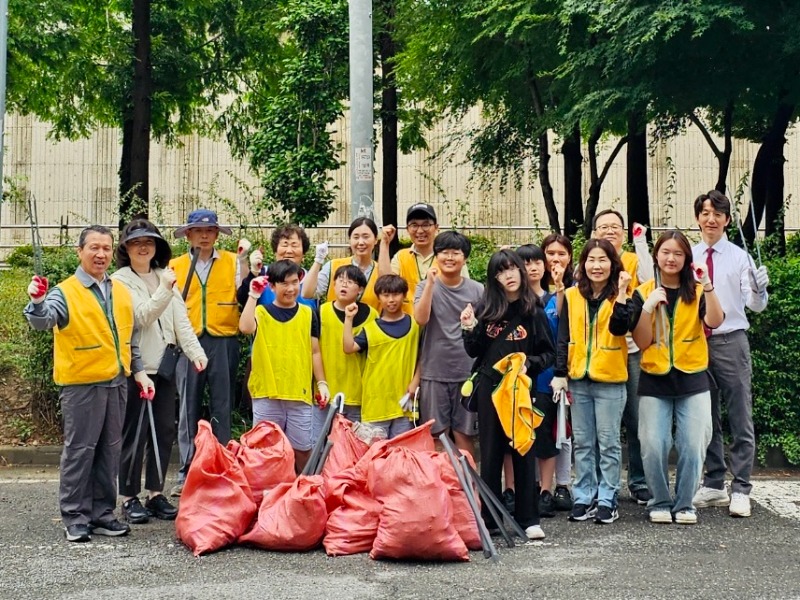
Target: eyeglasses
{"x":607,"y":228}
{"x":451,"y":254}
{"x":426,"y":226}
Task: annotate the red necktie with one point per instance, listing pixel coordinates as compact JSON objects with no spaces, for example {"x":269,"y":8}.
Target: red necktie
{"x":710,"y":268}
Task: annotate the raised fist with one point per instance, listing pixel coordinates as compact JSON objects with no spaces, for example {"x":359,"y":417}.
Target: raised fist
{"x":167,"y":278}
{"x":37,"y":289}
{"x":243,"y":248}
{"x":389,"y":232}
{"x":350,"y":311}
{"x":256,"y":262}
{"x":257,"y":286}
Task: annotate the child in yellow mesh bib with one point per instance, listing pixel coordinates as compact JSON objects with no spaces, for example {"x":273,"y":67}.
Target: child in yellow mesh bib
{"x":391,"y":345}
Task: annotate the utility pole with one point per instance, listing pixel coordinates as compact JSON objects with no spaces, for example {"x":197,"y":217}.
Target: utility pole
{"x":362,"y":181}
{"x":3,"y":67}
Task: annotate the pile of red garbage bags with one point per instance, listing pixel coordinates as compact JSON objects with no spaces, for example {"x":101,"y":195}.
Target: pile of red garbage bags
{"x":396,"y":499}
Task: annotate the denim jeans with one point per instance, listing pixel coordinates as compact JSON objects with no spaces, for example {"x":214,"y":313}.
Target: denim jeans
{"x":630,"y":418}
{"x":596,"y":417}
{"x":692,"y":416}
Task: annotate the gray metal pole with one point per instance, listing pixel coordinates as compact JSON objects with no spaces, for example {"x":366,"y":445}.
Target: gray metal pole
{"x":362,"y":183}
{"x":3,"y":67}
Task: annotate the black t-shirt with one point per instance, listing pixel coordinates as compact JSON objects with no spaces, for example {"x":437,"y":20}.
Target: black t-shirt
{"x":282,"y":315}
{"x":395,"y":329}
{"x":676,"y":382}
{"x":361,"y":315}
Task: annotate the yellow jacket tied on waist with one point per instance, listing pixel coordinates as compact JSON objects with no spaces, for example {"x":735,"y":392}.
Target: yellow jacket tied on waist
{"x":512,"y":401}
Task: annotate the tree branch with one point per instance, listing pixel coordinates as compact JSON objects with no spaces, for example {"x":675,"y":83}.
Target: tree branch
{"x":704,"y":130}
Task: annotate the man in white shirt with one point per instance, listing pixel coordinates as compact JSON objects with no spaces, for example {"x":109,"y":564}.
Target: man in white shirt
{"x":738,"y":284}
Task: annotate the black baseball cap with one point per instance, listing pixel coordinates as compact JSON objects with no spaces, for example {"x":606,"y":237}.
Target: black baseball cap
{"x":421,"y":209}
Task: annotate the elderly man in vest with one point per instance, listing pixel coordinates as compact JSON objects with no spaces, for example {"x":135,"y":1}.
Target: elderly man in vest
{"x":96,"y":347}
{"x":214,"y":314}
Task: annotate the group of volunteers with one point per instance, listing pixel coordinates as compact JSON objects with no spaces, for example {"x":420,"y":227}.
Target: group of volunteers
{"x":652,"y":341}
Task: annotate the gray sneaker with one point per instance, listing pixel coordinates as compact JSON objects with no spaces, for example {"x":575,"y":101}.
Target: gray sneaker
{"x":707,"y":496}
{"x":77,"y":533}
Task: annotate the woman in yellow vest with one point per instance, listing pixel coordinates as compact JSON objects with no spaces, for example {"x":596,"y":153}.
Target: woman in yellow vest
{"x":508,"y":319}
{"x":363,"y":236}
{"x":593,"y":353}
{"x":674,"y":382}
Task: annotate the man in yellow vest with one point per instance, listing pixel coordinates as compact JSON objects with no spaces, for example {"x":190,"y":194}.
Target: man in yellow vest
{"x":412,"y":263}
{"x":214,"y":314}
{"x":609,"y":225}
{"x":96,"y":347}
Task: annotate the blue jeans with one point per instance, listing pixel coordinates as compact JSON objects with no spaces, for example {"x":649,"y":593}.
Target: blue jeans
{"x":596,"y":417}
{"x":630,"y":418}
{"x":692,"y":416}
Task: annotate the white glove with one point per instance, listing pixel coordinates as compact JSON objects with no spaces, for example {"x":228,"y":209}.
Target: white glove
{"x":320,"y":252}
{"x":701,"y":273}
{"x":639,"y":233}
{"x":759,"y":279}
{"x":256,"y":262}
{"x":37,"y":289}
{"x":200,"y":364}
{"x":656,"y":297}
{"x":559,"y":383}
{"x":244,"y":247}
{"x":147,"y":388}
{"x":167,"y":278}
{"x":407,"y":402}
{"x":257,"y":286}
{"x":323,"y":394}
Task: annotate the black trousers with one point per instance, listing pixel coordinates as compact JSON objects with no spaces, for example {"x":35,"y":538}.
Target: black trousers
{"x":144,"y":454}
{"x":494,"y":445}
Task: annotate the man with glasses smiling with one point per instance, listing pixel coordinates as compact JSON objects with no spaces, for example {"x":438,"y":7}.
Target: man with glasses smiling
{"x":609,"y":225}
{"x":412,"y":264}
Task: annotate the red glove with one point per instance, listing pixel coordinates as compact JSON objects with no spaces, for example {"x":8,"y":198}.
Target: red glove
{"x":257,"y":286}
{"x":37,"y":289}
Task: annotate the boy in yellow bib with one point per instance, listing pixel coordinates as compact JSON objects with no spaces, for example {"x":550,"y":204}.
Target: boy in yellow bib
{"x":344,"y":371}
{"x":286,"y":353}
{"x":391,"y":346}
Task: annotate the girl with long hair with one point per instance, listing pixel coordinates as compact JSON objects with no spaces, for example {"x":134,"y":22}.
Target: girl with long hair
{"x":674,"y":383}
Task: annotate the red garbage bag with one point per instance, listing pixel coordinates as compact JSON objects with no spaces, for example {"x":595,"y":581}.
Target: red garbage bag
{"x":416,"y":521}
{"x":463,"y":517}
{"x":216,"y":505}
{"x":353,"y":514}
{"x":266,"y":457}
{"x":292,"y":517}
{"x":347,"y":448}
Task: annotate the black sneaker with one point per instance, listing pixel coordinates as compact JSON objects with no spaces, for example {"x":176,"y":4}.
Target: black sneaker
{"x":110,"y":528}
{"x":547,"y":505}
{"x":606,"y":515}
{"x":161,"y":508}
{"x":508,"y":501}
{"x":134,"y":512}
{"x":77,"y":533}
{"x":641,"y":496}
{"x":582,"y":512}
{"x":562,"y":499}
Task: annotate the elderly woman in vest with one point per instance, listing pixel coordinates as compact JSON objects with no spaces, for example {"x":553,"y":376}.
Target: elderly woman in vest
{"x":142,"y":258}
{"x":592,"y":352}
{"x":669,"y":329}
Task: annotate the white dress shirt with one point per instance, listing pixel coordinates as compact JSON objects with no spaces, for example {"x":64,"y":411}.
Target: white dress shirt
{"x":732,"y":283}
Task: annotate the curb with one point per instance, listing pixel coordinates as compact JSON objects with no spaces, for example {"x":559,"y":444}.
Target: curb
{"x":45,"y":456}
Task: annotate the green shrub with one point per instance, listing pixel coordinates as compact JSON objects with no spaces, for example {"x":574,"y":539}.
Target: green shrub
{"x":774,"y":336}
{"x":482,"y":250}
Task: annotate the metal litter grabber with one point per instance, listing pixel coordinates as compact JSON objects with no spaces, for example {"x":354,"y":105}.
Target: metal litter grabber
{"x":336,"y":404}
{"x":488,"y":496}
{"x":136,"y":441}
{"x":155,"y":441}
{"x":489,"y":550}
{"x":561,"y":420}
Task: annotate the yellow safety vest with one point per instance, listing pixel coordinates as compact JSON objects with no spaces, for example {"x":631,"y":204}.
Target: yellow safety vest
{"x":389,"y":369}
{"x":630,"y":262}
{"x":409,"y":270}
{"x":92,"y":348}
{"x":212,"y":305}
{"x":686,"y":348}
{"x":342,"y":371}
{"x":368,"y":296}
{"x":282,"y":367}
{"x":593,"y":350}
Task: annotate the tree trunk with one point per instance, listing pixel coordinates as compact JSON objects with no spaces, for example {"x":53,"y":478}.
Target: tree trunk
{"x":544,"y":182}
{"x":724,"y":158}
{"x":767,"y":187}
{"x":388,"y":112}
{"x":638,"y":197}
{"x":135,"y":173}
{"x":596,"y":178}
{"x":573,"y":181}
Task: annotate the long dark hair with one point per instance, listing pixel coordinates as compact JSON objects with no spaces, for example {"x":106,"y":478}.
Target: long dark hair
{"x":494,"y":303}
{"x":163,"y":251}
{"x":532,"y":252}
{"x":687,"y":290}
{"x":557,"y":238}
{"x":612,"y":285}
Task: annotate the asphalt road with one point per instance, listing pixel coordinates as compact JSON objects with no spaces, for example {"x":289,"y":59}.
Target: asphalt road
{"x":720,"y":558}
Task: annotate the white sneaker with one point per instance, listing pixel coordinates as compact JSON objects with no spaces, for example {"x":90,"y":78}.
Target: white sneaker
{"x":660,"y":515}
{"x":535,"y":532}
{"x":706,"y":497}
{"x":740,"y":505}
{"x":686,"y":517}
